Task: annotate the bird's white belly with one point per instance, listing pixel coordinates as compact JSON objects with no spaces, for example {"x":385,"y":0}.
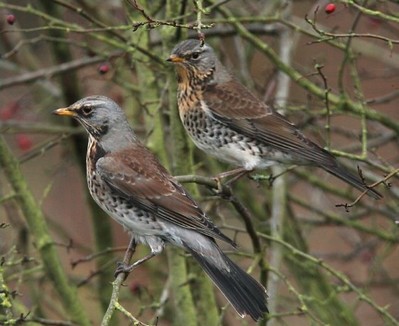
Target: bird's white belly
{"x":248,"y":157}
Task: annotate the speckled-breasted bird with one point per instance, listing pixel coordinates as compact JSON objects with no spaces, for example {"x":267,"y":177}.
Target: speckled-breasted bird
{"x":128,"y":183}
{"x":227,"y":121}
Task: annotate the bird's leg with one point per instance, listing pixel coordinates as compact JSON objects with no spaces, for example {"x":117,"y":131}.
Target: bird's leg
{"x":128,"y":256}
{"x":124,"y":266}
{"x":130,"y":249}
{"x":236,"y":174}
{"x":126,"y":269}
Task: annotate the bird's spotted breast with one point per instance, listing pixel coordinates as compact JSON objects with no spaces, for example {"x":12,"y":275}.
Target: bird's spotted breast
{"x":191,"y":85}
{"x":119,"y":208}
{"x":222,"y":142}
{"x":187,"y":100}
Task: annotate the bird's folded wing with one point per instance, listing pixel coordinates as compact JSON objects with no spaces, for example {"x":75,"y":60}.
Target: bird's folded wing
{"x":150,"y":187}
{"x":234,"y":105}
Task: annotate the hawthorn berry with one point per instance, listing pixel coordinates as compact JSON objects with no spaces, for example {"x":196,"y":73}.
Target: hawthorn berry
{"x":103,"y":68}
{"x":135,"y":288}
{"x":10,"y":19}
{"x":330,"y":8}
{"x":375,"y":22}
{"x":9,"y":111}
{"x":5,"y":114}
{"x":24,"y":142}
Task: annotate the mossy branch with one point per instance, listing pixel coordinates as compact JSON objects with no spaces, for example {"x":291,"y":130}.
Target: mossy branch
{"x":44,"y":243}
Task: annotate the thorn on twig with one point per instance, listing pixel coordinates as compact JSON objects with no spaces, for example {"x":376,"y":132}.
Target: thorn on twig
{"x":386,"y":183}
{"x":4,"y":225}
{"x":23,"y":317}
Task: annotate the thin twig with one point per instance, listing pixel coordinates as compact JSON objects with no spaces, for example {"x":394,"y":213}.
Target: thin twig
{"x":89,"y":258}
{"x":46,"y":73}
{"x":382,"y":181}
{"x":116,"y":285}
{"x":152,"y":22}
{"x":340,"y":276}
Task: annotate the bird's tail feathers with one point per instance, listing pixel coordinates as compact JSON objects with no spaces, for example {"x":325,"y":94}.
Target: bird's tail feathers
{"x":340,"y":172}
{"x":244,"y":293}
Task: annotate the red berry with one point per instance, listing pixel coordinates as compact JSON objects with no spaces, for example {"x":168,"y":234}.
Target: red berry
{"x":5,"y":114}
{"x":330,"y":8}
{"x":11,"y":19}
{"x":375,"y":22}
{"x":24,"y":142}
{"x":103,"y":68}
{"x":135,"y":287}
{"x":9,"y":110}
{"x":367,"y":256}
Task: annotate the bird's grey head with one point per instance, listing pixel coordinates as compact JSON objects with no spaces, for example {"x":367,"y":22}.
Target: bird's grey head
{"x":193,"y":53}
{"x":99,"y":115}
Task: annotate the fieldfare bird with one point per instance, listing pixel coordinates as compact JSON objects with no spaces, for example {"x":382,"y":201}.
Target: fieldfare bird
{"x":224,"y":119}
{"x":128,"y":183}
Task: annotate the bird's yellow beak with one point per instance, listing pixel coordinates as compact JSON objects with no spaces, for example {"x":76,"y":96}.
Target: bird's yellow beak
{"x":64,"y":112}
{"x":175,"y":58}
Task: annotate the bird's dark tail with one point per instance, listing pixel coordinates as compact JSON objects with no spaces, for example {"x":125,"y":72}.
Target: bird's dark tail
{"x":340,"y":172}
{"x":245,"y":294}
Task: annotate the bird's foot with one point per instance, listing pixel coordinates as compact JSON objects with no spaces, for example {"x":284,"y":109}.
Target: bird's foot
{"x":219,"y":184}
{"x":234,"y":174}
{"x":127,"y":269}
{"x":123,"y":268}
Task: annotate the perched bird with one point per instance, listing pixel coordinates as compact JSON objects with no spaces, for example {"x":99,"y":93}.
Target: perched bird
{"x":227,"y":121}
{"x":128,"y":182}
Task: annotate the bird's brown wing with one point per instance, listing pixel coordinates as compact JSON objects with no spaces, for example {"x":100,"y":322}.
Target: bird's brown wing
{"x":235,"y":106}
{"x":138,"y":176}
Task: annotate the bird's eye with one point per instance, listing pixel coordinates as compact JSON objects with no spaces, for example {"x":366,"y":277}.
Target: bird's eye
{"x":87,"y":109}
{"x":195,"y":55}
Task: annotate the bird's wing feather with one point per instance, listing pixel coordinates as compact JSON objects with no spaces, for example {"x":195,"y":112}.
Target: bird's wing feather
{"x":234,"y":105}
{"x":150,"y":187}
